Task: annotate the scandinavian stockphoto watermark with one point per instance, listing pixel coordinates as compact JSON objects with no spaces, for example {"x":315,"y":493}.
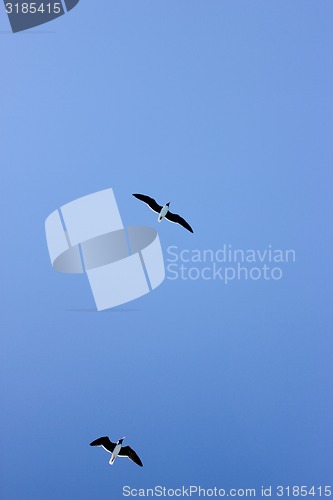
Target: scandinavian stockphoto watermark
{"x":228,"y":264}
{"x":285,"y":491}
{"x":25,"y":15}
{"x":187,"y":491}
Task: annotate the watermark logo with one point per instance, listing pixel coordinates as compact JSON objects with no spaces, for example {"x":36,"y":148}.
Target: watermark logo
{"x":87,"y":236}
{"x":25,"y":15}
{"x":228,"y":264}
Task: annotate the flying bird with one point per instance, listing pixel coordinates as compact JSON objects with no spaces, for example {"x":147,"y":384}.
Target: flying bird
{"x":163,"y":212}
{"x":117,"y":450}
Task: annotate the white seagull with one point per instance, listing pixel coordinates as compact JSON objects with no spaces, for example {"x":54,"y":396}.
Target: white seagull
{"x":117,"y":450}
{"x":163,"y":212}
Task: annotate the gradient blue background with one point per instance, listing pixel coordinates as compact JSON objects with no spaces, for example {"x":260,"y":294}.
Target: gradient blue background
{"x":225,"y":108}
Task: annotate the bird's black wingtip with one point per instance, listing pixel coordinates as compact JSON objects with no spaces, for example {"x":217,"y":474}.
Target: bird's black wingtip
{"x":94,"y":443}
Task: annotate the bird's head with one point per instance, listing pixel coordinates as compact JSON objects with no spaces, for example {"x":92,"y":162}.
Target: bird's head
{"x":167,"y":204}
{"x":121,"y":440}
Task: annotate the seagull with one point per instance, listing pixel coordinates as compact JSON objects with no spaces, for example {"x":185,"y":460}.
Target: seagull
{"x":117,"y":450}
{"x":163,"y":212}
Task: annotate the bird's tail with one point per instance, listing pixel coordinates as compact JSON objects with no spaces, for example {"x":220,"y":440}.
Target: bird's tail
{"x":112,"y":459}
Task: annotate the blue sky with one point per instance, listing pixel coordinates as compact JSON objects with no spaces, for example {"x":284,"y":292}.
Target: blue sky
{"x":224,"y":108}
